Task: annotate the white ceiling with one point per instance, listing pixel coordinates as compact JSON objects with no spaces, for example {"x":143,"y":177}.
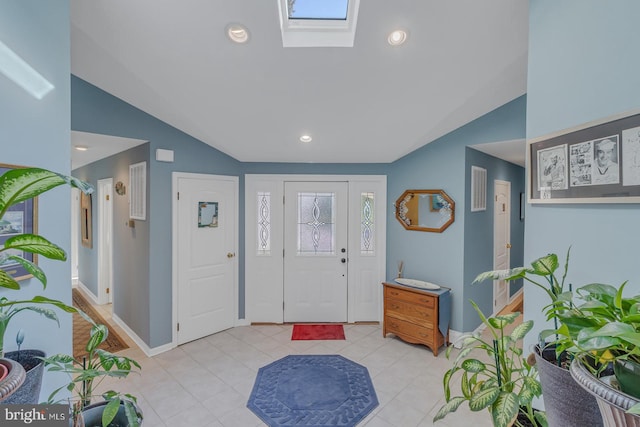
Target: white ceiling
{"x":365,"y":104}
{"x":98,"y":147}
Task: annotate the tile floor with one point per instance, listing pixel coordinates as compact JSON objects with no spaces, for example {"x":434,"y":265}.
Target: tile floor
{"x":208,"y":382}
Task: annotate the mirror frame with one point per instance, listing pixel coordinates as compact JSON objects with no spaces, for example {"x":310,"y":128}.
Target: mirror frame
{"x":403,"y":220}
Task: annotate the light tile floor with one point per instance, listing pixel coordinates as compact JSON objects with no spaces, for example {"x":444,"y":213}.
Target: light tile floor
{"x":208,"y":382}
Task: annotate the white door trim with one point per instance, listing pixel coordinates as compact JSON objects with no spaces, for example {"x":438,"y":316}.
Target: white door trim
{"x":105,"y":240}
{"x":264,"y":275}
{"x":507,"y":237}
{"x":175,"y":176}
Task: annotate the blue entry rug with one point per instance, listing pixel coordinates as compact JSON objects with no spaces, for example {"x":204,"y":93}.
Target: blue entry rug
{"x":312,"y":390}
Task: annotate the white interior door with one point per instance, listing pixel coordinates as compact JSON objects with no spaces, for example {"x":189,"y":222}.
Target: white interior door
{"x":206,"y":233}
{"x":315,"y":252}
{"x":501,"y":241}
{"x":105,"y":241}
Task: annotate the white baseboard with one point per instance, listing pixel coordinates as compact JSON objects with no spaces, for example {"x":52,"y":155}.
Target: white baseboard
{"x":516,"y":295}
{"x":87,"y":293}
{"x":243,"y":322}
{"x":149,"y":351}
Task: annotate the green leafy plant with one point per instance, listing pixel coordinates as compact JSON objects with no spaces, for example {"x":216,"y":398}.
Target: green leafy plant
{"x":608,"y":330}
{"x":505,"y":384}
{"x":612,"y":322}
{"x":17,"y":186}
{"x":86,"y":374}
{"x":543,"y":273}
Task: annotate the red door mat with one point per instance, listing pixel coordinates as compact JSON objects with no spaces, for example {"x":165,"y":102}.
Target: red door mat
{"x":317,"y":332}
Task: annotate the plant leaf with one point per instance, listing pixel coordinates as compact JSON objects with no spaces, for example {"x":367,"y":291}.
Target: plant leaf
{"x":545,"y":266}
{"x":635,"y":409}
{"x":541,"y":418}
{"x":132,"y":415}
{"x":484,"y":398}
{"x":451,"y":406}
{"x":98,"y":336}
{"x":521,"y":330}
{"x":44,"y":300}
{"x":7,"y":281}
{"x":20,"y":184}
{"x":620,"y":330}
{"x":31,"y":268}
{"x":110,"y":411}
{"x":36,"y":244}
{"x":507,"y":275}
{"x":504,"y":409}
{"x":473,"y":365}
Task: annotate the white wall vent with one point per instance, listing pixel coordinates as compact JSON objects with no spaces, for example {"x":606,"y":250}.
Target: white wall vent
{"x":138,"y":191}
{"x":478,"y":189}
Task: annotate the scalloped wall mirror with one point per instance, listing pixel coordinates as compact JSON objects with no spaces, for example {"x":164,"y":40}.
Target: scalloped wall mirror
{"x":425,"y":210}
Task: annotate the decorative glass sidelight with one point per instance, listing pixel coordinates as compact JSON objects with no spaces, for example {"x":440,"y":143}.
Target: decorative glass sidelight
{"x":316,"y":223}
{"x":367,"y":224}
{"x":264,"y":223}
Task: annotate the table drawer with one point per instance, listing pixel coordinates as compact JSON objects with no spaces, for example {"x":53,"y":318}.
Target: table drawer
{"x":406,"y":309}
{"x":408,"y":296}
{"x":423,"y":334}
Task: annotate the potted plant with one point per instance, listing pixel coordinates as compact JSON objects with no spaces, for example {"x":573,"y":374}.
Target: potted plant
{"x":505,"y":384}
{"x":17,"y":186}
{"x":611,"y":335}
{"x":565,"y":402}
{"x":86,"y":374}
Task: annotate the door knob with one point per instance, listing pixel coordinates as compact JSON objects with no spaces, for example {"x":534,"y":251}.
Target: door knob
{"x":508,"y":245}
{"x":230,"y":255}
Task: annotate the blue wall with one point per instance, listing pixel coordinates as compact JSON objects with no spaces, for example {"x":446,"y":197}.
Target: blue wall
{"x":96,"y":111}
{"x":36,"y":133}
{"x":478,"y":232}
{"x":131,"y":286}
{"x":583,"y":66}
{"x":440,"y":164}
{"x":441,"y":257}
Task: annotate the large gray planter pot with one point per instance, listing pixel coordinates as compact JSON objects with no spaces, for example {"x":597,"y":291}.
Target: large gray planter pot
{"x":566,"y":403}
{"x":613,"y":403}
{"x":29,"y":392}
{"x":14,"y":379}
{"x":92,"y":416}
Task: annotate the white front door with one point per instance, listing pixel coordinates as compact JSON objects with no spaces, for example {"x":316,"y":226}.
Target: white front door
{"x":105,"y":241}
{"x":501,"y":245}
{"x":315,"y":252}
{"x":206,"y":231}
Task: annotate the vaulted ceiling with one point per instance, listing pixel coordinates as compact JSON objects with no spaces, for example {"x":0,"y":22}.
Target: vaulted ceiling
{"x":369,"y":103}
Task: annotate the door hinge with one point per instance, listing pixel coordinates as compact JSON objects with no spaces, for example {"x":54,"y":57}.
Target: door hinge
{"x":496,"y":198}
{"x":108,"y":290}
{"x":178,"y":327}
{"x":283,"y":200}
{"x":107,"y":197}
{"x":504,"y":207}
{"x":282,"y":253}
{"x":178,"y":195}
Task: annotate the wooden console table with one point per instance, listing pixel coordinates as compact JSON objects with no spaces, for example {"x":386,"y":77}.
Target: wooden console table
{"x":416,"y":315}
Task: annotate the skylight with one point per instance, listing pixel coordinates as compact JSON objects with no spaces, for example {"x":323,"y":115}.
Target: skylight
{"x":318,"y":9}
{"x":318,"y":23}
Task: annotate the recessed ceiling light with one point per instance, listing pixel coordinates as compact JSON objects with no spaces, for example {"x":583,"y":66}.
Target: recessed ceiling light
{"x":81,"y":147}
{"x":237,"y":33}
{"x":306,"y":138}
{"x":397,"y":37}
